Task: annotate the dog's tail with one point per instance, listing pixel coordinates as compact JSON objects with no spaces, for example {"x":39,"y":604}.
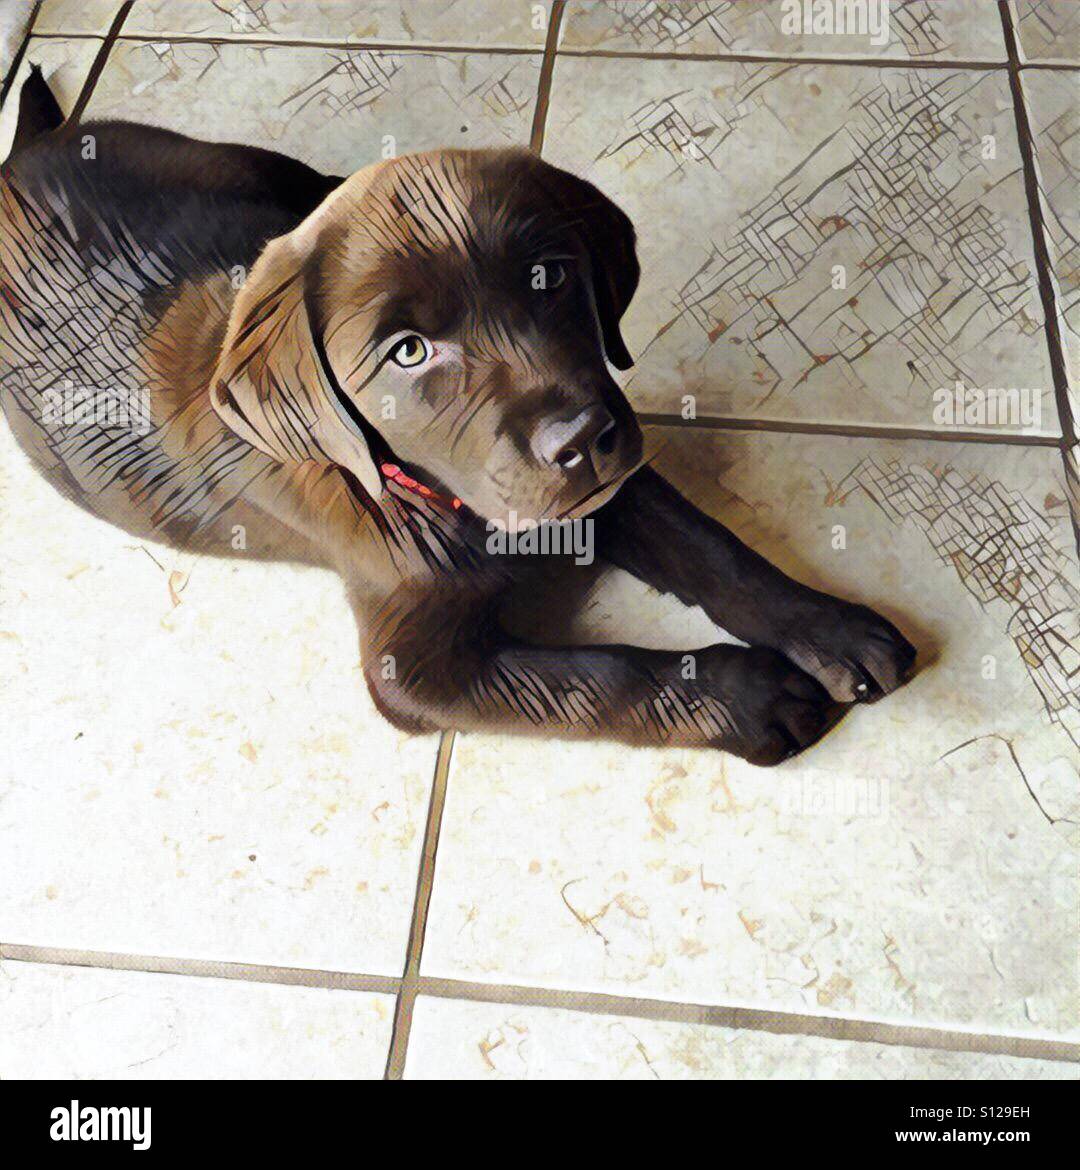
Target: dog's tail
{"x":39,"y":111}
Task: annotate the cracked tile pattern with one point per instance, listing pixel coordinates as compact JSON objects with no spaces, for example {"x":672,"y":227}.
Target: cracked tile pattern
{"x":910,"y":884}
{"x":85,"y":1023}
{"x":75,"y":16}
{"x":457,"y":1040}
{"x":1048,"y":30}
{"x":335,"y":109}
{"x":853,"y":253}
{"x":917,"y":29}
{"x":516,"y":23}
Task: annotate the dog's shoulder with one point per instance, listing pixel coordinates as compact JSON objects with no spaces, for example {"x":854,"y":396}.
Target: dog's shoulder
{"x":205,"y":205}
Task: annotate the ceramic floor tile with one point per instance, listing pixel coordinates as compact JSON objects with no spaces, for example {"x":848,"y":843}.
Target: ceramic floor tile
{"x":918,"y":865}
{"x":917,"y":29}
{"x":13,"y":22}
{"x":1049,"y":30}
{"x":515,"y":23}
{"x":818,"y":242}
{"x":92,"y":1024}
{"x":190,"y":764}
{"x":1053,"y":105}
{"x":65,"y":65}
{"x":337,"y":110}
{"x":456,"y":1040}
{"x":75,"y":16}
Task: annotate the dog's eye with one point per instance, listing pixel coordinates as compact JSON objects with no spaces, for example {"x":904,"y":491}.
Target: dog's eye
{"x":413,"y":350}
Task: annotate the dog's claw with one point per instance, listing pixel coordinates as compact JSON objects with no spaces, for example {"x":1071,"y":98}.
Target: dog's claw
{"x":852,"y":651}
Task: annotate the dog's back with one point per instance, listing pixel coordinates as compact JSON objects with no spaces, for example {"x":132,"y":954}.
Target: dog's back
{"x":122,"y":248}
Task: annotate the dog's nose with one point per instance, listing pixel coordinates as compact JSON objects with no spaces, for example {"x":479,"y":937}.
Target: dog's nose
{"x":586,"y":438}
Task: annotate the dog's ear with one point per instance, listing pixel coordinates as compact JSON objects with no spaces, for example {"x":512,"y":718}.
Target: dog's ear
{"x":273,"y":385}
{"x":609,"y":237}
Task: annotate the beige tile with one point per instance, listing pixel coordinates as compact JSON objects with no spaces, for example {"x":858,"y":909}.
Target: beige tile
{"x":455,"y":1040}
{"x":89,"y":1024}
{"x":76,"y":16}
{"x":1048,"y":30}
{"x":335,"y":109}
{"x":918,"y":865}
{"x":757,"y":187}
{"x":13,"y":21}
{"x":65,"y":65}
{"x":190,"y":764}
{"x":514,"y":23}
{"x":917,"y":29}
{"x":1053,"y":102}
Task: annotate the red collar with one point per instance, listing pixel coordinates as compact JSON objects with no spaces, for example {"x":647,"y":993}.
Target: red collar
{"x":392,"y":472}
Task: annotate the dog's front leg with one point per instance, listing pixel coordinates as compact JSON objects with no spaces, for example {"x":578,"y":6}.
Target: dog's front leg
{"x":650,"y":530}
{"x":432,"y":665}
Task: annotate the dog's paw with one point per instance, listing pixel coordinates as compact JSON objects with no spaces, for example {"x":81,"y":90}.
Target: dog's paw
{"x":775,"y":709}
{"x":853,"y":652}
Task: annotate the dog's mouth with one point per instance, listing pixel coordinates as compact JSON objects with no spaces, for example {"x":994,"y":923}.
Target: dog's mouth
{"x":394,"y":473}
{"x":414,"y":481}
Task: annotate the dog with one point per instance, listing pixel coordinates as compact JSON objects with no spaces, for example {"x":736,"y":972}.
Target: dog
{"x":368,"y":373}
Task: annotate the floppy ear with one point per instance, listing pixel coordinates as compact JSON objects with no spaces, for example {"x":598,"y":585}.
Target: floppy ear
{"x":609,"y":237}
{"x":273,"y":385}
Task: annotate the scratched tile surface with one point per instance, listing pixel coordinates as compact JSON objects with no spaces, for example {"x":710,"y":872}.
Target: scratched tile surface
{"x":77,"y":1022}
{"x":518,"y":23}
{"x":906,"y":868}
{"x":916,"y":29}
{"x":489,"y":1041}
{"x":65,"y":65}
{"x":335,"y":109}
{"x":1053,"y":104}
{"x":180,"y":777}
{"x":818,"y":242}
{"x":1049,"y":30}
{"x":75,"y":16}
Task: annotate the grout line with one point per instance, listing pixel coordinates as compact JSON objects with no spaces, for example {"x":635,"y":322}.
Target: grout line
{"x":763,"y":57}
{"x":846,"y":430}
{"x":200,"y":968}
{"x":98,"y":66}
{"x":367,"y":46}
{"x":16,"y":64}
{"x":547,"y":68}
{"x":1044,"y":267}
{"x":780,"y":1023}
{"x":425,"y":883}
{"x":630,"y":54}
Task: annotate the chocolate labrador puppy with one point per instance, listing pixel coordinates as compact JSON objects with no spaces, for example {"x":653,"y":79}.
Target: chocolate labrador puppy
{"x":371,"y":373}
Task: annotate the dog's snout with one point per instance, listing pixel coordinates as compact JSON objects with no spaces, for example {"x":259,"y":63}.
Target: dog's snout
{"x":584,"y":439}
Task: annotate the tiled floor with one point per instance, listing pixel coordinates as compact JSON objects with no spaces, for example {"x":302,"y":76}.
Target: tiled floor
{"x":210,"y":871}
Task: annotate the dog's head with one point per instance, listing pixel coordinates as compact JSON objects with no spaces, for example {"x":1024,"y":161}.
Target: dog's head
{"x":450,"y":315}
